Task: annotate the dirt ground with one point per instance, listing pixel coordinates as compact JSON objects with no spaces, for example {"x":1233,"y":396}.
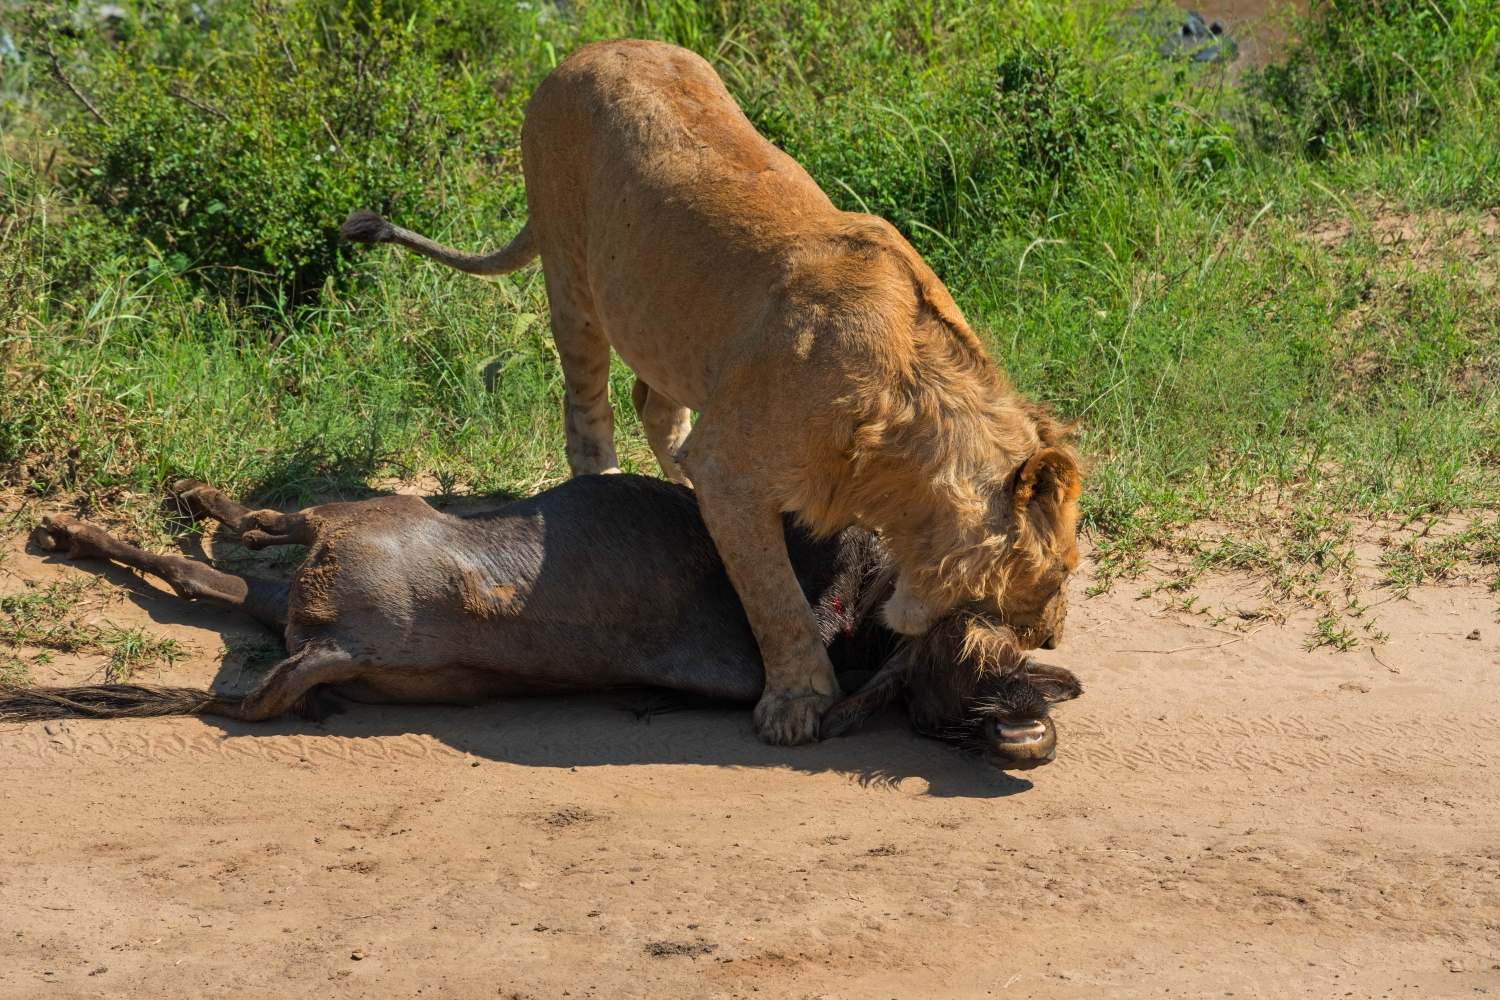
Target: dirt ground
{"x":1258,"y":27}
{"x":1229,"y":815}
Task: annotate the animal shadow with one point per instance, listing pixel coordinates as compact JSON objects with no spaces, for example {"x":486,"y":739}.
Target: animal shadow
{"x":639,"y":726}
{"x":654,"y":727}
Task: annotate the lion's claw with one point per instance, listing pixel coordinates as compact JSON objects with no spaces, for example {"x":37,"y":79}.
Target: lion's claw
{"x":788,"y":719}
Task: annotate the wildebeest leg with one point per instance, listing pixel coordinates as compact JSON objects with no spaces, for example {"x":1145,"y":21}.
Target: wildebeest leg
{"x":289,"y":685}
{"x":743,"y":515}
{"x":584,"y":352}
{"x":258,"y":529}
{"x":264,"y":600}
{"x":667,"y":424}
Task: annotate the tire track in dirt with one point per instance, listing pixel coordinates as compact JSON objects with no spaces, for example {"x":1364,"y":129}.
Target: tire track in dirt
{"x":1192,"y":743}
{"x":121,"y":743}
{"x":1092,"y":742}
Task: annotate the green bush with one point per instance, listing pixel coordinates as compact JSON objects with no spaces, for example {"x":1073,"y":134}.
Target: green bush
{"x":963,"y":170}
{"x":236,"y":145}
{"x":1060,"y":121}
{"x":1379,"y":67}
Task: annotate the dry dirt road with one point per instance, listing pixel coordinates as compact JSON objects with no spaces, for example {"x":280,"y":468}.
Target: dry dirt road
{"x":1229,"y":815}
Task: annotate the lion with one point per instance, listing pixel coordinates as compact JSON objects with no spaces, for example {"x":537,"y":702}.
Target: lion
{"x":833,"y":376}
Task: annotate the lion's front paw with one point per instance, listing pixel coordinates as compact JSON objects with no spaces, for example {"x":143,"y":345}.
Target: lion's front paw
{"x":788,"y":718}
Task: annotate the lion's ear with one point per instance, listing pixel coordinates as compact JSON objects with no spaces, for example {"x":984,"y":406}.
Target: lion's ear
{"x":1051,"y":476}
{"x":1046,"y":494}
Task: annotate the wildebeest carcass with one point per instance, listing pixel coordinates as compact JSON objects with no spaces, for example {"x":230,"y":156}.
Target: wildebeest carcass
{"x":602,"y":582}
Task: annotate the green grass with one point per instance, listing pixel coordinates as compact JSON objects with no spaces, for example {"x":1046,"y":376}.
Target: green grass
{"x":255,"y":652}
{"x":1137,"y":240}
{"x":59,"y":617}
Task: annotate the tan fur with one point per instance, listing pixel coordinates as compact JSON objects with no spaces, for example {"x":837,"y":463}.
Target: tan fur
{"x":832,"y":372}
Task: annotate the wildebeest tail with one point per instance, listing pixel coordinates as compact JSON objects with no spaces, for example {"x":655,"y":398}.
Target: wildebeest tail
{"x":365,"y":226}
{"x":100,"y":701}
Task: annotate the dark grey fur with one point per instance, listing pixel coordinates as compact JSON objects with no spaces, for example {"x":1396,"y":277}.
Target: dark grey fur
{"x":601,"y":582}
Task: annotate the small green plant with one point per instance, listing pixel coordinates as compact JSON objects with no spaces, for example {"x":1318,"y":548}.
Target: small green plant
{"x":285,"y":555}
{"x":128,"y":649}
{"x":16,"y":672}
{"x":1331,"y":631}
{"x":255,"y":651}
{"x":53,"y":617}
{"x":1416,"y":560}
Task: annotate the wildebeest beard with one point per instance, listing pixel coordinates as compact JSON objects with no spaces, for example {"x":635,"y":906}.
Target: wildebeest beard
{"x":968,"y":681}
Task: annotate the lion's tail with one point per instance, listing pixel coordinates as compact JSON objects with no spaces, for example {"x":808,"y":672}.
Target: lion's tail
{"x":102,"y":701}
{"x":364,"y":226}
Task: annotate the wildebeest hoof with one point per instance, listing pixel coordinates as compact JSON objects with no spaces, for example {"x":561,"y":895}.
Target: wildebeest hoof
{"x":43,"y":539}
{"x":63,"y":533}
{"x":187,"y":493}
{"x":785,"y":719}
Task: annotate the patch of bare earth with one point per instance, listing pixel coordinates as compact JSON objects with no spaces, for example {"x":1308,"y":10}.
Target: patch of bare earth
{"x":1424,"y":238}
{"x":1229,"y":813}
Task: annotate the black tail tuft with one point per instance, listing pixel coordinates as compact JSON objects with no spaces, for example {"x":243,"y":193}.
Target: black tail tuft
{"x":365,"y":226}
{"x":102,"y":701}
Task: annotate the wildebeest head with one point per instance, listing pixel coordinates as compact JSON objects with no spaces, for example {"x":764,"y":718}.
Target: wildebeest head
{"x":967,"y":680}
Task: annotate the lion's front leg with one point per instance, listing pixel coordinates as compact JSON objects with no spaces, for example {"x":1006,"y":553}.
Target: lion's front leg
{"x":745,"y":522}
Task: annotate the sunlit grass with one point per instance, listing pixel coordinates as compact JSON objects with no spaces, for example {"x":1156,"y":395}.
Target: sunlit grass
{"x":1141,"y":246}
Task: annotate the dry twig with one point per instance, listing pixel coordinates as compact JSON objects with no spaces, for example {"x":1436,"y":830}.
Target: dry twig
{"x":176,"y":91}
{"x":57,"y":71}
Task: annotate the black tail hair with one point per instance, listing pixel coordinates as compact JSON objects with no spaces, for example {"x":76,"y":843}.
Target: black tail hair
{"x":365,"y":226}
{"x":101,"y":701}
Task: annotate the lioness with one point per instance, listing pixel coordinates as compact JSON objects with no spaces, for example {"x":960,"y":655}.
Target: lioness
{"x":832,"y":373}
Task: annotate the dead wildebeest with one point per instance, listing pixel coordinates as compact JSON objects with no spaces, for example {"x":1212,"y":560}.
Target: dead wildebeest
{"x":603,"y":582}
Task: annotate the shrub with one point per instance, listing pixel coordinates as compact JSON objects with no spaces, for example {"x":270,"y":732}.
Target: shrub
{"x":964,"y":168}
{"x":1378,"y":66}
{"x":236,"y":145}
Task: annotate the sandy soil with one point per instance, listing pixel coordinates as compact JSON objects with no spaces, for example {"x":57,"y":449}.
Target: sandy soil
{"x":1229,"y":815}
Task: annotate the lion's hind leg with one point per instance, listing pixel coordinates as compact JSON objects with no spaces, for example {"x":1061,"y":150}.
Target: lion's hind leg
{"x":583,"y":350}
{"x":668,"y":424}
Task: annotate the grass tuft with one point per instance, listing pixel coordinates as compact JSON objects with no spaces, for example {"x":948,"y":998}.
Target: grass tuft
{"x":55,"y":617}
{"x":255,"y":652}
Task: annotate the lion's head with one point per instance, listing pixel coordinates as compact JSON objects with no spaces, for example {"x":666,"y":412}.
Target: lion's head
{"x":1017,"y":568}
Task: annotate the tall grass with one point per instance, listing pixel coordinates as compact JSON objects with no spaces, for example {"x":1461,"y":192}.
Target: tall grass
{"x":1135,"y":237}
